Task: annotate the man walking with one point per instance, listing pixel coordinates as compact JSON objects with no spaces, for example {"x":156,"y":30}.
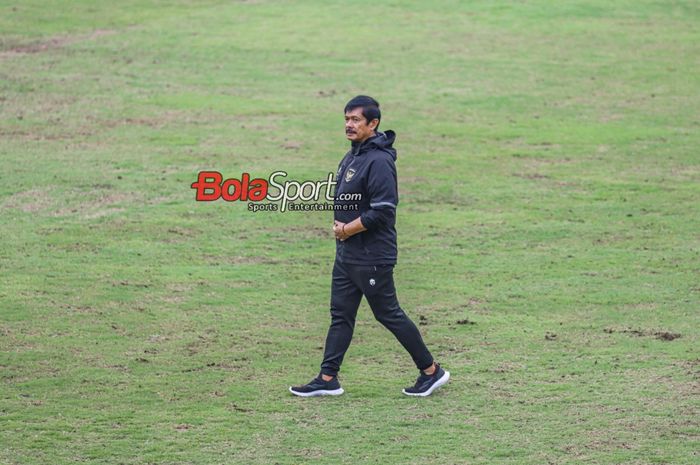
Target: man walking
{"x":366,"y":253}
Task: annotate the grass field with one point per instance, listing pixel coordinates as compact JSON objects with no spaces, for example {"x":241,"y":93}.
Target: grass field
{"x":549,"y":231}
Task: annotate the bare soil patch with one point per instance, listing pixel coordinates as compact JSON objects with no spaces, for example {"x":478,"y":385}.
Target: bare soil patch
{"x":51,"y":43}
{"x":663,"y":335}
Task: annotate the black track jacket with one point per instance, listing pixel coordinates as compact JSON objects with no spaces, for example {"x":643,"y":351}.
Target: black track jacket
{"x":368,"y":169}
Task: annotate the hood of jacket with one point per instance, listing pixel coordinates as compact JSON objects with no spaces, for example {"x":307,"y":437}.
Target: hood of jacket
{"x":381,"y":140}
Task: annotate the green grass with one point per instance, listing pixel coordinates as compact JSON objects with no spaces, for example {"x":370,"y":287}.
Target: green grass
{"x":549,"y":178}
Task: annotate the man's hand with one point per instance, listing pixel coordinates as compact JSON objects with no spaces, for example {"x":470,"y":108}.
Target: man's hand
{"x":339,"y":231}
{"x":344,"y":230}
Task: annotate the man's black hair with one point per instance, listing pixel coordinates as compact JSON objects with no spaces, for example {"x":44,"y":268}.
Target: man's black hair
{"x":370,"y":108}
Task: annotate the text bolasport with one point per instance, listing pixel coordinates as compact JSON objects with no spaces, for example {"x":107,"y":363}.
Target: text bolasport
{"x":212,"y":186}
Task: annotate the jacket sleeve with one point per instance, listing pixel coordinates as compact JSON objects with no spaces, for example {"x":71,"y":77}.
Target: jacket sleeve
{"x":383,"y":194}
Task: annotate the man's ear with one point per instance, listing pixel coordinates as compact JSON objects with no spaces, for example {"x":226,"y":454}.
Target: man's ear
{"x":373,"y":124}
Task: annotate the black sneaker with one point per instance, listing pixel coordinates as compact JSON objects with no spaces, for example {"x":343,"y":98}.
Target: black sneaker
{"x":318,"y":387}
{"x":426,"y":384}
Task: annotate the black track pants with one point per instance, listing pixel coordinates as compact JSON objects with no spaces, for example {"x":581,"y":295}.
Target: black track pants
{"x":376,"y":283}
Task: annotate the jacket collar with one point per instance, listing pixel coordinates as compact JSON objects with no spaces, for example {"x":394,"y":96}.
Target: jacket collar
{"x":358,"y":148}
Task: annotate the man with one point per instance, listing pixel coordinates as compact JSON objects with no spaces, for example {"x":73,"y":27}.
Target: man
{"x":366,"y":253}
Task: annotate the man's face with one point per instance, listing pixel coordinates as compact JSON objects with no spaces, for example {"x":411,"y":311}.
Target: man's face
{"x":357,"y":129}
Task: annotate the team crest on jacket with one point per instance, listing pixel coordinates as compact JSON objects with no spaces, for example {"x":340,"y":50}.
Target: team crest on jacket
{"x":349,"y":175}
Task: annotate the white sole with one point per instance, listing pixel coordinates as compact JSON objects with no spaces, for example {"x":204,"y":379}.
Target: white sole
{"x":321,"y":392}
{"x":442,"y":381}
